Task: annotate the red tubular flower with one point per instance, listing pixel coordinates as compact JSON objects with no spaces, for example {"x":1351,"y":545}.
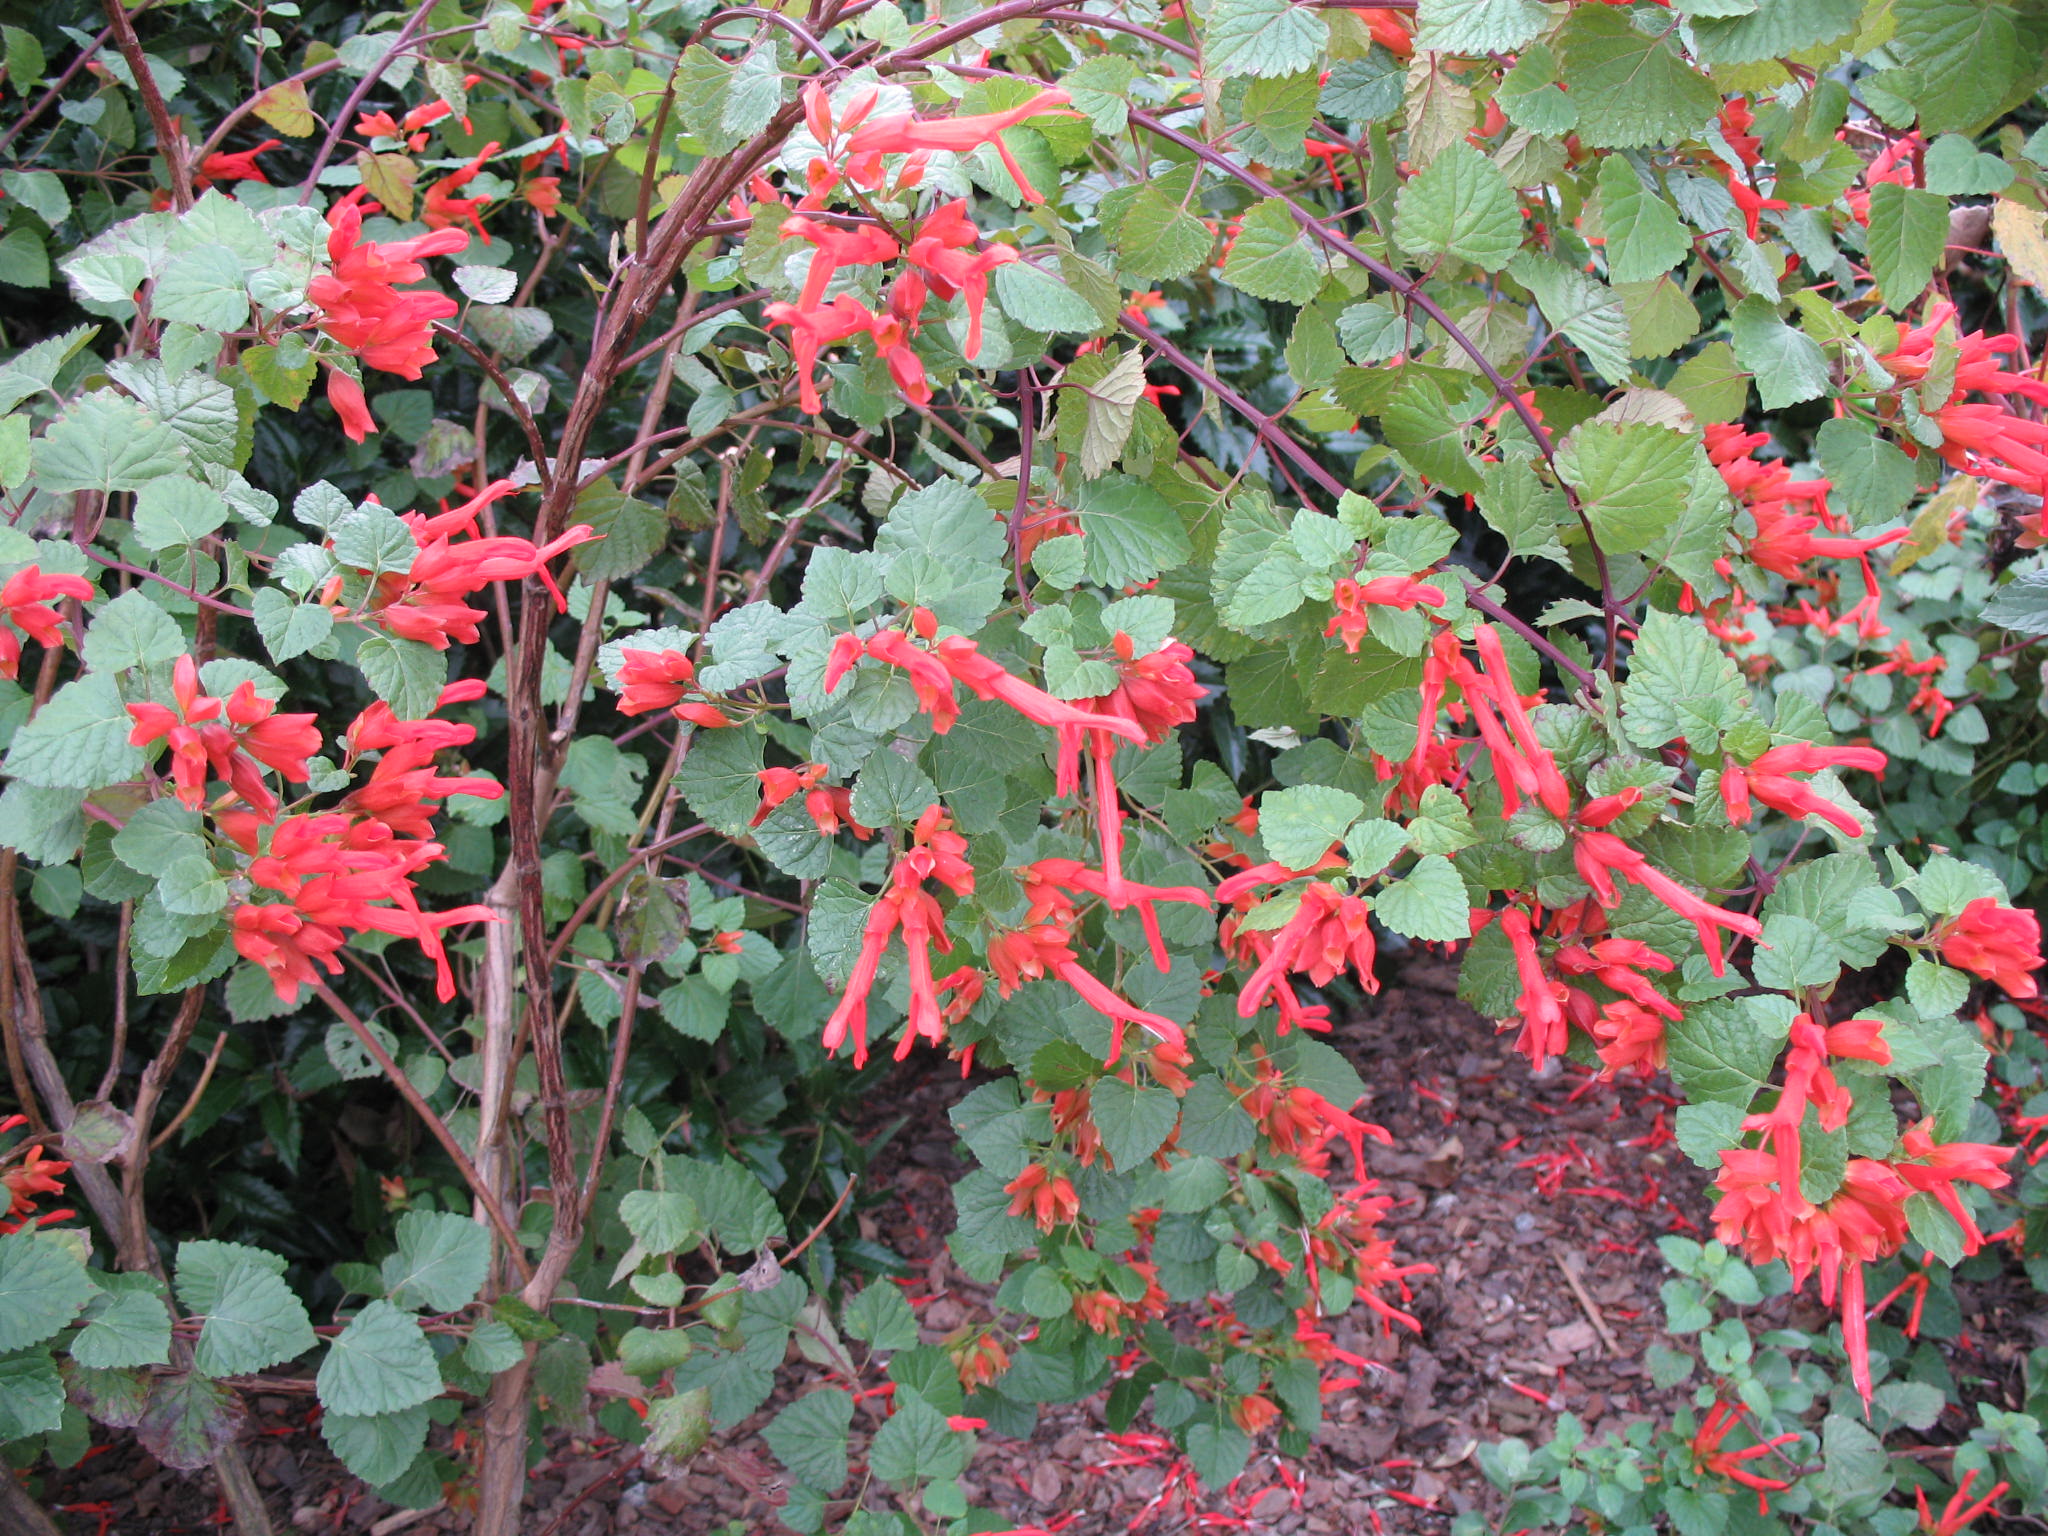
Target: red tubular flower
{"x":811,"y":331}
{"x":1599,"y":856}
{"x":1615,"y":964}
{"x":1049,"y":1201}
{"x":226,"y":739}
{"x":900,"y":133}
{"x":2002,"y":944}
{"x":1605,"y":810}
{"x":1327,"y":932}
{"x":943,"y":249}
{"x":1748,"y":199}
{"x":1354,"y":601}
{"x":442,"y":209}
{"x":1542,"y":1003}
{"x":665,"y":680}
{"x":345,"y":394}
{"x":1938,"y":1168}
{"x":936,"y":853}
{"x":1527,"y":765}
{"x":1708,"y":1455}
{"x":1049,"y":882}
{"x":1330,"y":155}
{"x":1044,"y":949}
{"x":1957,"y":1514}
{"x":543,"y":194}
{"x":1863,"y":1222}
{"x":37,"y":1174}
{"x":1981,"y":439}
{"x":362,"y":309}
{"x":405,"y":792}
{"x":25,"y":611}
{"x":239,"y":166}
{"x":1766,"y":778}
{"x":1736,"y":121}
{"x":862,"y":246}
{"x":335,"y":875}
{"x":424,"y":602}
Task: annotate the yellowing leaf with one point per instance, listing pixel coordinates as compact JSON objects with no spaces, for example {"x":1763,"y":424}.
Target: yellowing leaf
{"x":285,"y":108}
{"x":1930,"y":523}
{"x":390,"y":179}
{"x":2020,"y":236}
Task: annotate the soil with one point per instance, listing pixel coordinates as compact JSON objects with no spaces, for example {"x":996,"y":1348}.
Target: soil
{"x":1538,"y":1197}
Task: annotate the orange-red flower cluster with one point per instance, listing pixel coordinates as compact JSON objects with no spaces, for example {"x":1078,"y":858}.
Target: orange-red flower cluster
{"x":230,"y":739}
{"x":424,"y":601}
{"x":25,"y":611}
{"x":938,"y":853}
{"x":361,"y":307}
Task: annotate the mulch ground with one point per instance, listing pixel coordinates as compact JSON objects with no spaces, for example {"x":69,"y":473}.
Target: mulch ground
{"x":1538,"y":1199}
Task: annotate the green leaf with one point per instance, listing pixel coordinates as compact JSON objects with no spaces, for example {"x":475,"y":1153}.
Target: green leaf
{"x":131,"y":631}
{"x":42,"y":1287}
{"x":892,"y":791}
{"x":1523,"y":509}
{"x":915,"y":1443}
{"x":283,"y":381}
{"x":1476,"y":28}
{"x":880,"y":1316}
{"x":1680,"y":683}
{"x":1789,"y":365}
{"x":24,"y":59}
{"x":380,"y":1363}
{"x":1632,"y":89}
{"x":1632,"y":480}
{"x":406,"y":674}
{"x":661,"y":1221}
{"x":1460,"y":205}
{"x":1772,"y":31}
{"x":632,"y":531}
{"x":1964,"y":57}
{"x":1298,"y":825}
{"x":947,"y":521}
{"x":441,"y":1262}
{"x":253,"y":1322}
{"x":105,"y":442}
{"x":1264,"y":38}
{"x":1160,"y":236}
{"x":203,"y":287}
{"x":175,"y":510}
{"x":651,"y":1353}
{"x":1212,"y":1122}
{"x":289,"y":628}
{"x":1644,"y":236}
{"x":1873,"y":480}
{"x":376,"y":1447}
{"x":124,"y":1328}
{"x":1134,"y":1122}
{"x":1039,"y":301}
{"x":809,"y":1438}
{"x":1725,"y":1051}
{"x":2021,"y":605}
{"x":1854,"y":1464}
{"x":1420,"y":424}
{"x":1218,"y":1452}
{"x":1271,"y":257}
{"x":1431,"y":903}
{"x":31,"y":1396}
{"x":1908,"y":233}
{"x":203,"y":1262}
{"x":1587,"y":311}
{"x":1130,"y":533}
{"x":719,"y":777}
{"x":79,"y":740}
